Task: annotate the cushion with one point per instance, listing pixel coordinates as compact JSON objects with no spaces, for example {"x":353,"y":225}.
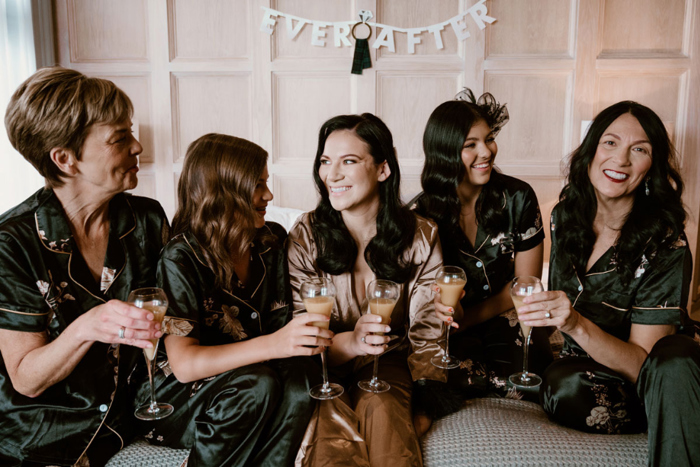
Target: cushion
{"x":507,"y":432}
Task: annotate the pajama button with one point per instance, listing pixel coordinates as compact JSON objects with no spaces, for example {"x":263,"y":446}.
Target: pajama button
{"x":253,"y":315}
{"x":479,"y":264}
{"x":103,"y":408}
{"x":486,"y":287}
{"x":580,"y":288}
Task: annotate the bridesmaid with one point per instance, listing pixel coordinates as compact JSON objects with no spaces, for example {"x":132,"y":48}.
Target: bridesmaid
{"x":620,"y":271}
{"x":361,"y":231}
{"x":490,"y":226}
{"x":239,"y":399}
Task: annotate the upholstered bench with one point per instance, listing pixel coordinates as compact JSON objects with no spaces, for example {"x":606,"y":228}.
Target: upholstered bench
{"x":486,"y":432}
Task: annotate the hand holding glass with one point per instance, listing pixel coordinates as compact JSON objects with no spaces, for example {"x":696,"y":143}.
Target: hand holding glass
{"x":382,"y":296}
{"x":451,"y":281}
{"x":155,"y":300}
{"x":524,"y":286}
{"x":318,"y":294}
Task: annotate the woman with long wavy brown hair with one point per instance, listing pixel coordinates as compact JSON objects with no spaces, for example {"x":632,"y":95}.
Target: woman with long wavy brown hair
{"x":238,"y":399}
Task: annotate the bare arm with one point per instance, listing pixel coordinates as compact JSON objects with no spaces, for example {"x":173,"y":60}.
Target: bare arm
{"x":191,"y":361}
{"x":624,"y":357}
{"x":34,"y":364}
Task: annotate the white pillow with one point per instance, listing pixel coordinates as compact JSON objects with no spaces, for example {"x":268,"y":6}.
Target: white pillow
{"x":286,"y":217}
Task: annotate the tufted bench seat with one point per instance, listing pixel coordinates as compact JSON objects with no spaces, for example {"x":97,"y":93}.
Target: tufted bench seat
{"x":486,"y":432}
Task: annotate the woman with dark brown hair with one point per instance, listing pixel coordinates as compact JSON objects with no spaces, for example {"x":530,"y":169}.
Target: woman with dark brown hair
{"x":238,"y":398}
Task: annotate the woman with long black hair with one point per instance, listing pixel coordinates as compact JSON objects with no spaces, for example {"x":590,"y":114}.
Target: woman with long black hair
{"x":620,"y":271}
{"x":490,"y":226}
{"x":360,"y":231}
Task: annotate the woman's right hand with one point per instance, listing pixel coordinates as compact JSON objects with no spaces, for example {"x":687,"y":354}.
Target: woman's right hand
{"x":447,"y":314}
{"x":300,"y":337}
{"x":104,"y":322}
{"x":364,"y":341}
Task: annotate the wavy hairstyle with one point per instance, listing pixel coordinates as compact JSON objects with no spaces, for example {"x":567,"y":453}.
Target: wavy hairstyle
{"x":396,"y":224}
{"x":215,"y":196}
{"x":655,"y":220}
{"x":445,"y":133}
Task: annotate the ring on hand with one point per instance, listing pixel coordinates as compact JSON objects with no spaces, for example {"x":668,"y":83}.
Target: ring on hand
{"x":121,"y":332}
{"x":363,"y":340}
{"x":547,"y":315}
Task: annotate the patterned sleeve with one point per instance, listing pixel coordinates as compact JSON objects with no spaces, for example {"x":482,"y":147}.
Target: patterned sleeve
{"x":425,"y":328}
{"x":528,"y":220}
{"x":23,"y":297}
{"x":662,"y":296}
{"x":179,"y":279}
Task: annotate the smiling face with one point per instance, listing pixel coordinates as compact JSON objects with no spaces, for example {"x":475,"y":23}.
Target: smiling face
{"x":621,"y":161}
{"x":261,"y":196}
{"x":478,"y":154}
{"x":108,"y":159}
{"x":350,"y":174}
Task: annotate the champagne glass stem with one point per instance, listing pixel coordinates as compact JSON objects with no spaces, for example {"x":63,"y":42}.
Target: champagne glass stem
{"x":326,"y":387}
{"x":374,"y":372}
{"x":525,"y":352}
{"x":446,"y":328}
{"x":151,"y":364}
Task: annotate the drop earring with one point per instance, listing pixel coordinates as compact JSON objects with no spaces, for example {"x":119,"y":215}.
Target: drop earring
{"x":646,"y":186}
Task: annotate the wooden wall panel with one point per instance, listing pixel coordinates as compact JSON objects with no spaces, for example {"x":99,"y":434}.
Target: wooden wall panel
{"x":405,"y":100}
{"x":414,"y":14}
{"x":108,"y":31}
{"x":321,"y":10}
{"x":524,"y":27}
{"x":660,"y":92}
{"x":643,"y":26}
{"x":218,"y":31}
{"x":295,"y":191}
{"x":138,"y":88}
{"x":302,"y":102}
{"x":538,"y":105}
{"x":146,"y":186}
{"x":547,"y":191}
{"x":206,"y":103}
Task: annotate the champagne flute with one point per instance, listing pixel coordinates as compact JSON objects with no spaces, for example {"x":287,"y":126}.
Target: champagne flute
{"x":155,"y":300}
{"x":382,"y":296}
{"x":318,"y":294}
{"x":524,"y":286}
{"x":451,"y":281}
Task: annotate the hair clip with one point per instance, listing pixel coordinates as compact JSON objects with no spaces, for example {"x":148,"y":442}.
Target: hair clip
{"x":497,"y":114}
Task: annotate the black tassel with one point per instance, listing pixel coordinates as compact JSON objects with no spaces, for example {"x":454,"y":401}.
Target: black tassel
{"x":361,"y":60}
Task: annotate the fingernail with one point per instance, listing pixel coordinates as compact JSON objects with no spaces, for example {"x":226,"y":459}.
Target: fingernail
{"x":455,"y":325}
{"x":449,"y":320}
{"x":387,"y":329}
{"x":158,"y":334}
{"x":379,"y":319}
{"x":451,"y":310}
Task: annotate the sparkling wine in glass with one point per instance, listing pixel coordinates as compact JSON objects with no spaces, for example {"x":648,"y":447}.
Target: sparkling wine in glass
{"x":154,"y":300}
{"x":382,"y":296}
{"x":318,"y":294}
{"x":522,"y":287}
{"x":451,"y":281}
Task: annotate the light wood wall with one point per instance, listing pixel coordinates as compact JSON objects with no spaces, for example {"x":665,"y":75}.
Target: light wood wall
{"x":194,"y":67}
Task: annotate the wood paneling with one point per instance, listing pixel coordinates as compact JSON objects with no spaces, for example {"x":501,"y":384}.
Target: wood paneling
{"x":320,"y":10}
{"x":405,"y":100}
{"x":108,"y":31}
{"x":414,"y":14}
{"x":209,"y":103}
{"x":538,"y":105}
{"x":524,"y":27}
{"x":643,"y":26}
{"x":217,"y":30}
{"x":658,"y":92}
{"x":301,"y":104}
{"x":295,"y":191}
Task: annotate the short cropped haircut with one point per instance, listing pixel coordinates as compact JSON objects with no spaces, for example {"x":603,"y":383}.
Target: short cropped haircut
{"x":55,"y":108}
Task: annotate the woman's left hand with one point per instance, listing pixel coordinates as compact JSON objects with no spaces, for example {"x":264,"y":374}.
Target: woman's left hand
{"x":551,"y":308}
